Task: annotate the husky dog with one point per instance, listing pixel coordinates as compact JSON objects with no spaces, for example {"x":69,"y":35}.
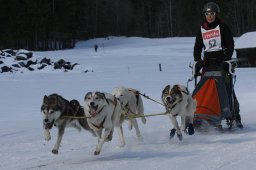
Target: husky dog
{"x":131,"y":103}
{"x":179,"y":102}
{"x":104,"y":112}
{"x":54,"y":109}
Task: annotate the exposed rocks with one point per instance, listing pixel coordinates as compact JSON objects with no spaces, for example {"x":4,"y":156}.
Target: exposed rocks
{"x":20,"y":60}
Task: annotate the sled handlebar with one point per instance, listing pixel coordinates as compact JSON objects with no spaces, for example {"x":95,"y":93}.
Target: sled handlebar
{"x":232,"y":64}
{"x":197,"y":66}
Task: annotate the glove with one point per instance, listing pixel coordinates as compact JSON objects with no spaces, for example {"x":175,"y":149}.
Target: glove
{"x":198,"y":65}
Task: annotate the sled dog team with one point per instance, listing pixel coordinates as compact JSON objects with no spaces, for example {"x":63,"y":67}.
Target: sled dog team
{"x":102,"y":112}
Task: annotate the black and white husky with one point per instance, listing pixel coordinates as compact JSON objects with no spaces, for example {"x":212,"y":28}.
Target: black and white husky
{"x":131,"y":103}
{"x":60,"y":112}
{"x":104,"y":112}
{"x":179,"y":102}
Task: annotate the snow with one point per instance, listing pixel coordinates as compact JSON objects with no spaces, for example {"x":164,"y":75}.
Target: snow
{"x":120,"y":61}
{"x":242,"y":42}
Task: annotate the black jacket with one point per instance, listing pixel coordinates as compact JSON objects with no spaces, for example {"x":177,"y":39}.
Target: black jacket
{"x":227,"y":43}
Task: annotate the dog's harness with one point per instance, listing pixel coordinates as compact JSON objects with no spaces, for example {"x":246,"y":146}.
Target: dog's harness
{"x":66,"y":114}
{"x":136,"y":93}
{"x":133,"y":116}
{"x":100,"y":126}
{"x":113,"y":102}
{"x":126,"y":110}
{"x":173,"y":105}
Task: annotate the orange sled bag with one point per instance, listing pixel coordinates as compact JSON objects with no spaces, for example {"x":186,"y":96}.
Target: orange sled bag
{"x":213,"y":104}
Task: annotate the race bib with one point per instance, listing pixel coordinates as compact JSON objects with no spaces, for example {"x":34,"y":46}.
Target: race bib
{"x":211,"y":39}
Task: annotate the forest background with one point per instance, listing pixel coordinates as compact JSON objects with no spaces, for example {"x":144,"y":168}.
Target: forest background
{"x":58,"y":24}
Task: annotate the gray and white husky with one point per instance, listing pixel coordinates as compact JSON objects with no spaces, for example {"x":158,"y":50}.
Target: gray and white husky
{"x":104,"y":112}
{"x":179,"y":102}
{"x":55,"y":110}
{"x":131,"y":103}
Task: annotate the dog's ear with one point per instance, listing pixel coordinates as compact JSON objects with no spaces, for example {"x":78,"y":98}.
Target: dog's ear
{"x":45,"y":99}
{"x":104,"y":96}
{"x":166,"y":89}
{"x":101,"y":95}
{"x":176,"y":88}
{"x":87,"y":95}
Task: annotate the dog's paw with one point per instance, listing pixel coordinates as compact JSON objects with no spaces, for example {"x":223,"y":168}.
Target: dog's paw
{"x":109,"y":138}
{"x":93,"y":133}
{"x":54,"y":151}
{"x":78,"y":128}
{"x":130,"y":124}
{"x":96,"y":152}
{"x":179,"y":136}
{"x":144,"y":120}
{"x":191,"y":129}
{"x":47,"y":138}
{"x":140,"y":138}
{"x":172,"y":133}
{"x":122,"y":145}
{"x":47,"y":135}
{"x":185,"y":131}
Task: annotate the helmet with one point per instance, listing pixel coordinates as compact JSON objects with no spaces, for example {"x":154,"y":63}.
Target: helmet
{"x":211,"y":6}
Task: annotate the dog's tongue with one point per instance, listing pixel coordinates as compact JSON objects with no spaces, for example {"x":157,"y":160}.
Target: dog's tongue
{"x":170,"y":99}
{"x":48,"y":125}
{"x":93,"y":112}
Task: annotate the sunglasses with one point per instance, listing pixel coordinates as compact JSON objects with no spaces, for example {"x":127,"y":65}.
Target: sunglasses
{"x":210,"y":13}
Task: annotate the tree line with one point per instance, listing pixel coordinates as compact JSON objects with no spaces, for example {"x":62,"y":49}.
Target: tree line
{"x":58,"y":24}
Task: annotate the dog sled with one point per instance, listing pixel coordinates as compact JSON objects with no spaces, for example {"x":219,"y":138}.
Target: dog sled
{"x":214,"y":92}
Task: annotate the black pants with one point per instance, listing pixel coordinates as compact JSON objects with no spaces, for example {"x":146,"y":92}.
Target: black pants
{"x":235,"y":108}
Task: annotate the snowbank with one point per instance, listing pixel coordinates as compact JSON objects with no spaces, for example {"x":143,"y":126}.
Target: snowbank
{"x":247,"y":40}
